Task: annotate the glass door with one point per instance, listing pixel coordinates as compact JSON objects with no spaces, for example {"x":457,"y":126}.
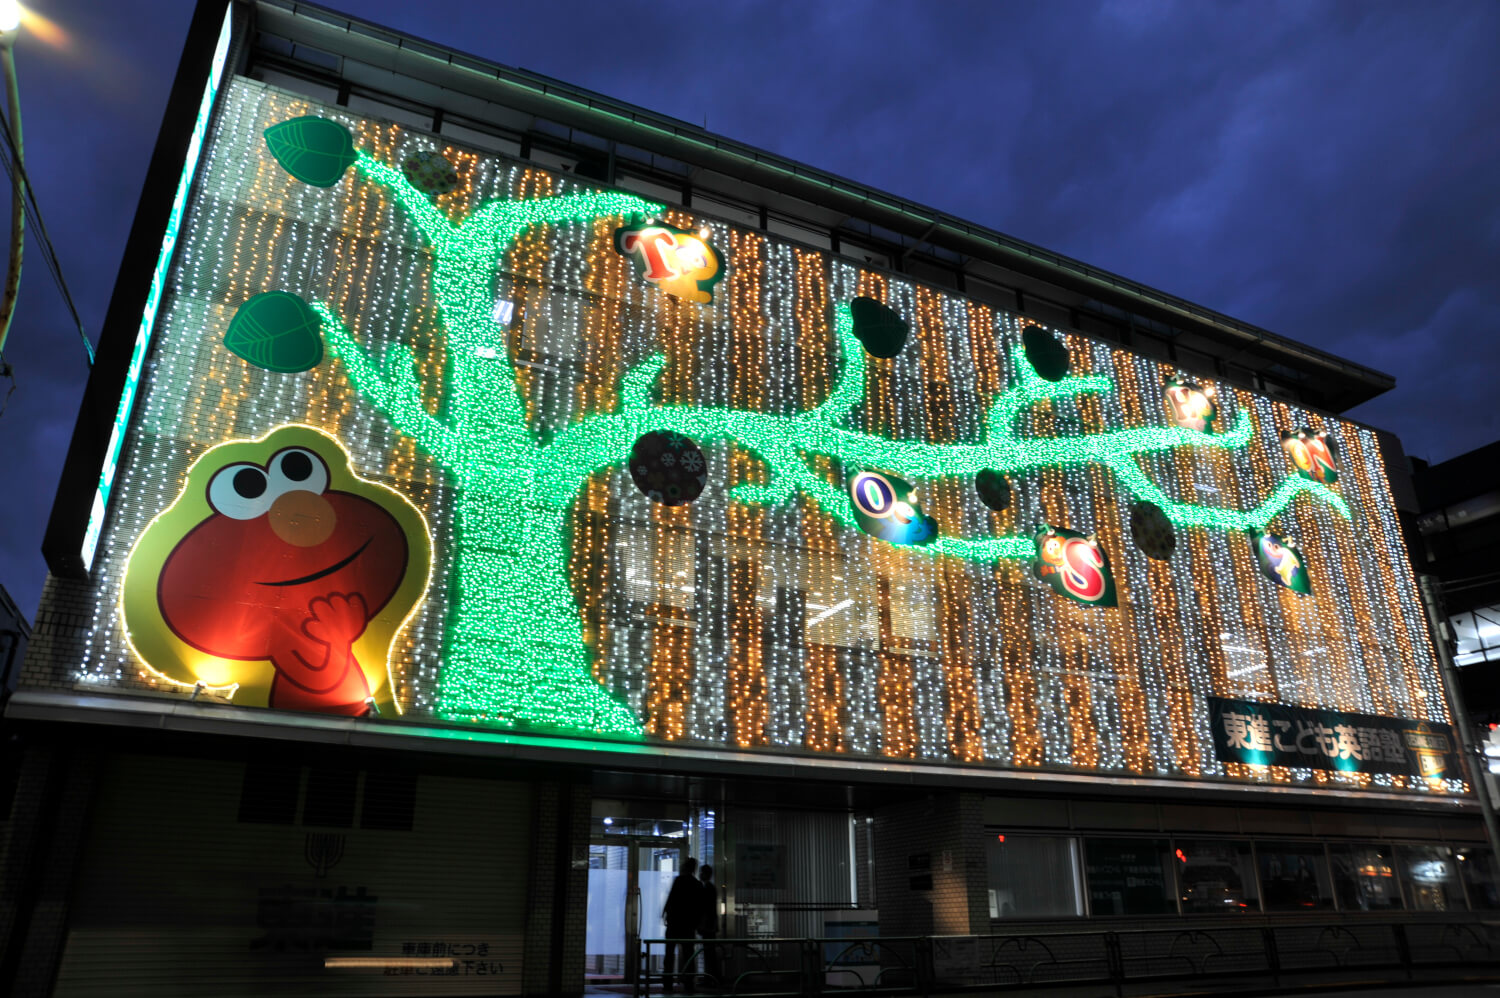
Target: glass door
{"x":609,"y":889}
{"x":629,"y":877}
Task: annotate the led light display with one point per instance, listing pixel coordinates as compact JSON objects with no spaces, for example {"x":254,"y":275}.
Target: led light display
{"x":759,"y":616}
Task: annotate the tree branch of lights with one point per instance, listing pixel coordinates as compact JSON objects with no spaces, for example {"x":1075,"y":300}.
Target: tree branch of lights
{"x":513,"y":645}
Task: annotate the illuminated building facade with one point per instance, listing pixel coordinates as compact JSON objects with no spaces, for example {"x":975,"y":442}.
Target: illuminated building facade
{"x":506,"y":492}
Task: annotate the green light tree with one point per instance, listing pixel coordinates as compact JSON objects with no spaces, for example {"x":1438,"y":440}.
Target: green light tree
{"x":513,"y":646}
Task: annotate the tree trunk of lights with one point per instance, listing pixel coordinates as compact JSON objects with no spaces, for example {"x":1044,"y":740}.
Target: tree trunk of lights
{"x":514,"y":649}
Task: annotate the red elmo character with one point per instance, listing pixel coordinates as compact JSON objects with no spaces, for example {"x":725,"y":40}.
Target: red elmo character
{"x":289,"y":571}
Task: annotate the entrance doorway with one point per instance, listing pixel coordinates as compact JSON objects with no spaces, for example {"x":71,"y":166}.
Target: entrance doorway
{"x":629,"y":877}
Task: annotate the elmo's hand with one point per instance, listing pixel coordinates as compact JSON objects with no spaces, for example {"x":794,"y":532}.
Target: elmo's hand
{"x":337,"y":620}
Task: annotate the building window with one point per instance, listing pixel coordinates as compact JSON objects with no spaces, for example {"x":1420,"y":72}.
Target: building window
{"x":1294,"y":876}
{"x":1215,"y":877}
{"x":1430,"y":876}
{"x":1478,"y":634}
{"x":799,"y":233}
{"x":1032,"y":876}
{"x":1478,"y":869}
{"x":1364,"y":877}
{"x":1129,"y":877}
{"x":1151,"y":346}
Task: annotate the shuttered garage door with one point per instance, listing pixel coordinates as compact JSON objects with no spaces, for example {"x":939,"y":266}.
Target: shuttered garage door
{"x":204,"y":876}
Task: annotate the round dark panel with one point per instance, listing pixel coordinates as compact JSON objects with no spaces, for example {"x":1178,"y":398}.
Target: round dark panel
{"x":430,"y":172}
{"x":668,"y":467}
{"x":1152,"y":531}
{"x":878,"y":327}
{"x":1046,"y":354}
{"x":994,"y":490}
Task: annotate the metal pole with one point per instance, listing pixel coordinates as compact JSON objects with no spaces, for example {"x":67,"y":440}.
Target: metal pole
{"x":1436,"y":619}
{"x":18,"y":190}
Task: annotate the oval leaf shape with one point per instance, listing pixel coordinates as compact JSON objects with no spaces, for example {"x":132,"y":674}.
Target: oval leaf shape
{"x":1152,"y":532}
{"x":878,"y":327}
{"x":994,"y":490}
{"x":314,"y":150}
{"x":1047,"y":356}
{"x":668,"y":467}
{"x":277,"y":331}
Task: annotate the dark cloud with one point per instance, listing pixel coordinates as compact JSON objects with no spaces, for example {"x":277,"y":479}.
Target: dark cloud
{"x":1325,"y":170}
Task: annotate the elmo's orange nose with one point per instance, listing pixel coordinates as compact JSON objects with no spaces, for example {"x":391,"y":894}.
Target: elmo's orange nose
{"x":302,"y":518}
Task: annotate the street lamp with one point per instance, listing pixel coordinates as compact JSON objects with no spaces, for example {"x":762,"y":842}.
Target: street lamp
{"x":10,"y":25}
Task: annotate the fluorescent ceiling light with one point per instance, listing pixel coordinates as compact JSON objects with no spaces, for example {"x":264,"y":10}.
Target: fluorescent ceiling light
{"x":830,"y":612}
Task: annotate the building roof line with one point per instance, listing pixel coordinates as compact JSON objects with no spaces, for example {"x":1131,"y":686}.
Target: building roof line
{"x":920,"y":217}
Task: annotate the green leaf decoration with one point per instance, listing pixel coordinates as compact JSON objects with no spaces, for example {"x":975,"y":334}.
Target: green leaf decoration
{"x":276,"y":331}
{"x":314,"y":150}
{"x":1048,"y":357}
{"x":881,"y":329}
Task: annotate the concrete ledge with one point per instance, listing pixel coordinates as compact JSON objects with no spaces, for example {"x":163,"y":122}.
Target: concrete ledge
{"x":253,"y":722}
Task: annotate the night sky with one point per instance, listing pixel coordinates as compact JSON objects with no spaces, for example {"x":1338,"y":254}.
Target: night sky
{"x":1328,"y":171}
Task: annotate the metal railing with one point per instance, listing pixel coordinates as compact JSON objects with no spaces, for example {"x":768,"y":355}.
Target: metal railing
{"x":1108,"y":960}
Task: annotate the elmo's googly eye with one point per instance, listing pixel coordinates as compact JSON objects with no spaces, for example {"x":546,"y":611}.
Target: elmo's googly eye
{"x":297,"y":469}
{"x":240,"y":491}
{"x":245,"y":491}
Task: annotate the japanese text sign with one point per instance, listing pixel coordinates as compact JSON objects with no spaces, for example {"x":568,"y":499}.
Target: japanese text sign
{"x":1269,"y":734}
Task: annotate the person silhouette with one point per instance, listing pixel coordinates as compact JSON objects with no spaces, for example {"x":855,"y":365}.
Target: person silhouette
{"x":681,"y":912}
{"x":708,"y":925}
